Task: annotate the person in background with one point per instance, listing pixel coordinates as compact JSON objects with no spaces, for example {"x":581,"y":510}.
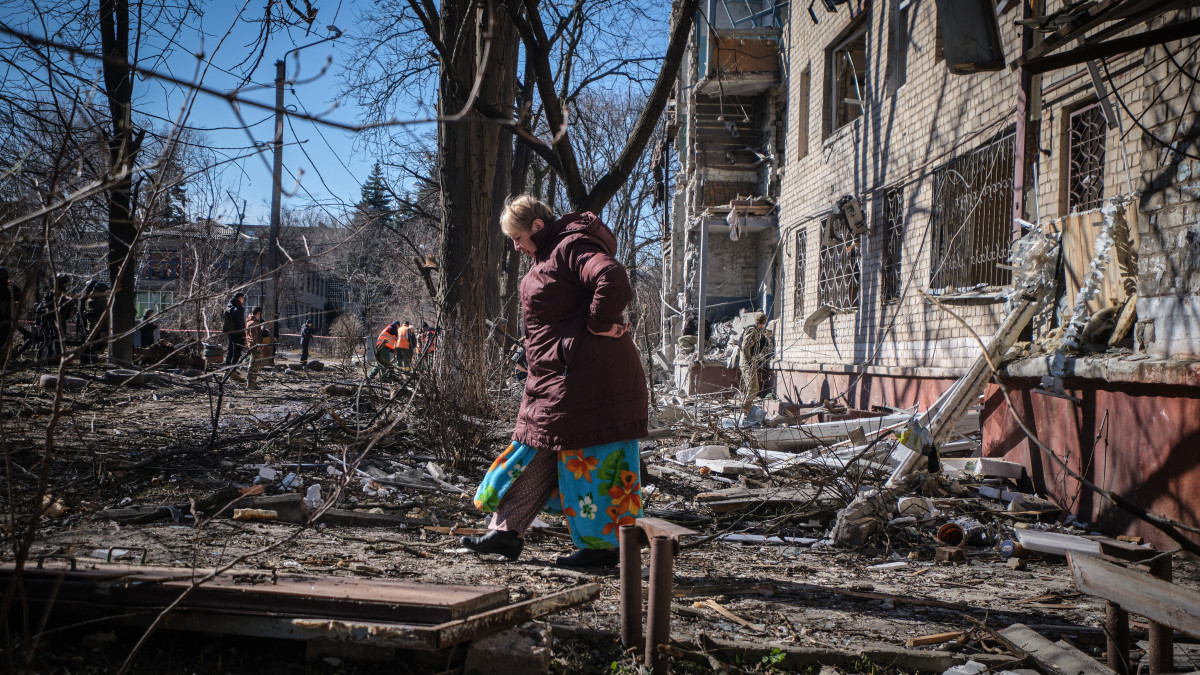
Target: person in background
{"x":574,"y":447}
{"x":52,"y":315}
{"x":234,"y":326}
{"x":756,"y":351}
{"x":405,"y":342}
{"x":306,"y":333}
{"x":255,"y":333}
{"x":146,"y":332}
{"x":92,"y":306}
{"x":385,"y":351}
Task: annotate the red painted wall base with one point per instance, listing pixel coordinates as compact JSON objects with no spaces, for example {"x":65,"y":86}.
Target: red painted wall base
{"x":1139,"y":441}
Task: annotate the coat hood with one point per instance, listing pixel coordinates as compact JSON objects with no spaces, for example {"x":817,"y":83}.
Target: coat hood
{"x":587,"y":224}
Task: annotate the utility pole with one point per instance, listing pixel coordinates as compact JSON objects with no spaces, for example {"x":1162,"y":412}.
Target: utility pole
{"x":271,"y":296}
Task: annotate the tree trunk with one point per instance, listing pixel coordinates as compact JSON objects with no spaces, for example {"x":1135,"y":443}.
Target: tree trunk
{"x":123,"y":148}
{"x":467,"y":151}
{"x":503,"y":68}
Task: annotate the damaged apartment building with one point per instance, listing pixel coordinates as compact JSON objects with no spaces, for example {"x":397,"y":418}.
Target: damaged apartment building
{"x":864,"y":188}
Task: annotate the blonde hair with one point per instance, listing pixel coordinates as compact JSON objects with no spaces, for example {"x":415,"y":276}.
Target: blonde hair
{"x":520,"y":211}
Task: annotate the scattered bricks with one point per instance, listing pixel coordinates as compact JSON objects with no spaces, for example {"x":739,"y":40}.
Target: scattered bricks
{"x":950,"y":554}
{"x":524,"y":650}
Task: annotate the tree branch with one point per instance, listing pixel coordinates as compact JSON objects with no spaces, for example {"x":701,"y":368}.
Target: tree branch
{"x":608,"y":185}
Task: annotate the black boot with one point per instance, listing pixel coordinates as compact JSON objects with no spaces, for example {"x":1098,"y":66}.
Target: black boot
{"x":591,"y":557}
{"x":504,"y":542}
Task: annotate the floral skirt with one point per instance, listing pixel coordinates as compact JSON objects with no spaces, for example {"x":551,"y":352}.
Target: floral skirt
{"x":599,"y":488}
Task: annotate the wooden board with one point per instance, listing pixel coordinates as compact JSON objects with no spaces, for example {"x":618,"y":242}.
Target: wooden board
{"x":734,"y":499}
{"x":1078,"y":245}
{"x":291,"y":594}
{"x":1137,"y":592}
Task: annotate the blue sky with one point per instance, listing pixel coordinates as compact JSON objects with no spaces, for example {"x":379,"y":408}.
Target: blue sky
{"x":333,"y":165}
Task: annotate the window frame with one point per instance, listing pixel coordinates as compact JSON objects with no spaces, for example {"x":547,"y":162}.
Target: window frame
{"x":800,"y":267}
{"x":858,"y":29}
{"x":892,"y":216}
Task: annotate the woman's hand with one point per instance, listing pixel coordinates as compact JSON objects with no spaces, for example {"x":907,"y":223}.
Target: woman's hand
{"x":617,"y":330}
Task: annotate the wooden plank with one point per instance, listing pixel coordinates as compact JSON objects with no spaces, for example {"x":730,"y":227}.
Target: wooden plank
{"x":1053,"y":657}
{"x":1139,"y":593}
{"x":255,"y":590}
{"x":515,"y":614}
{"x":934,"y":639}
{"x":654,"y":527}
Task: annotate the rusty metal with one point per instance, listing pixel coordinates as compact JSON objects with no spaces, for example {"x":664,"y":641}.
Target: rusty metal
{"x":1162,"y":637}
{"x":658,"y":609}
{"x":631,"y":587}
{"x":1116,"y":628}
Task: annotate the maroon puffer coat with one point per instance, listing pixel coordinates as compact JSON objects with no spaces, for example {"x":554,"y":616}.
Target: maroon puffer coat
{"x":582,"y":389}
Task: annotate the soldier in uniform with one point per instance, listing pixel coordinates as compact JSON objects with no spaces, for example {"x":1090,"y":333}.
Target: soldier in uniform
{"x":92,"y":317}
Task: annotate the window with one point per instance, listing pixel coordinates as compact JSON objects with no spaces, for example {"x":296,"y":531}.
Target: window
{"x":898,"y":46}
{"x":1086,"y":130}
{"x":846,"y":66}
{"x":972,"y":217}
{"x":893,"y":242}
{"x":802,"y":123}
{"x":838,"y":283}
{"x":155,"y":300}
{"x":162,"y":265}
{"x":801,"y":256}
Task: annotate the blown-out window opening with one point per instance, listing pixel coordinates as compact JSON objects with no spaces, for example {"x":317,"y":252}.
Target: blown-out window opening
{"x":801,"y":256}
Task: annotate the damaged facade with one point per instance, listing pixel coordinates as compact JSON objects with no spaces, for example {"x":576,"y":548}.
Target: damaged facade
{"x":917,"y":114}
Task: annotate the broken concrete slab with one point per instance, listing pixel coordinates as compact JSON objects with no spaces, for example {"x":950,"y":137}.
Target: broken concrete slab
{"x":688,"y":455}
{"x":1054,"y":657}
{"x":982,"y":466}
{"x":524,"y":650}
{"x":730,"y":467}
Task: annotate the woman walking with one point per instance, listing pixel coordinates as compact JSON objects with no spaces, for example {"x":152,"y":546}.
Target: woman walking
{"x":574,"y":448}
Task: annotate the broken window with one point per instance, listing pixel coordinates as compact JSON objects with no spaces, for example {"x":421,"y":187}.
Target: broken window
{"x":893,"y":242}
{"x":802,"y":126}
{"x":1085,"y":165}
{"x":801,"y":257}
{"x":838,"y":282}
{"x":898,"y":46}
{"x":847,"y":68}
{"x":972,"y":217}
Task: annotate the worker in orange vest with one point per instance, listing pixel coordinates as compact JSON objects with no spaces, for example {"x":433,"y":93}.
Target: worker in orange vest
{"x":428,"y":339}
{"x":385,"y":351}
{"x":405,"y":343}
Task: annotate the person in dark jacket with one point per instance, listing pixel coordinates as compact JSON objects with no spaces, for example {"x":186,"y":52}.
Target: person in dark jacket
{"x":146,"y":332}
{"x":305,"y":340}
{"x":575,"y":446}
{"x":234,"y":327}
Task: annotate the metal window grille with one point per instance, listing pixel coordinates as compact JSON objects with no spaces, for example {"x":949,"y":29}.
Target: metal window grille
{"x":972,"y":217}
{"x":893,"y":242}
{"x":1085,"y":167}
{"x":838,"y":283}
{"x":801,"y":255}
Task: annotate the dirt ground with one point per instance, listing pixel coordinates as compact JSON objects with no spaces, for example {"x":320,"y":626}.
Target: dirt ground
{"x":145,"y":446}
